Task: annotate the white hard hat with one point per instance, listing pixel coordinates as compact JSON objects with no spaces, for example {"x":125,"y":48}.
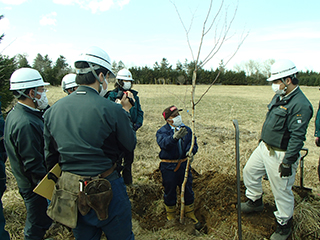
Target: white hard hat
{"x":68,"y":81}
{"x":95,"y":56}
{"x":282,"y":68}
{"x":25,"y":78}
{"x":124,"y":74}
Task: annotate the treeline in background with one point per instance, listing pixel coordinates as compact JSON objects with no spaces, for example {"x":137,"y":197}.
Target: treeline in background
{"x":246,"y":73}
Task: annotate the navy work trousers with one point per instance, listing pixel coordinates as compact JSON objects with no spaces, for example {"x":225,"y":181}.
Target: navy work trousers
{"x":170,"y":181}
{"x":118,"y":225}
{"x":37,"y":222}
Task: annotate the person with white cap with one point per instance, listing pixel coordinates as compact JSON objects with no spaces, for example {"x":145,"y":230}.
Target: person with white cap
{"x":68,"y":83}
{"x":23,"y":138}
{"x":278,"y":152}
{"x":124,"y":82}
{"x":87,"y":133}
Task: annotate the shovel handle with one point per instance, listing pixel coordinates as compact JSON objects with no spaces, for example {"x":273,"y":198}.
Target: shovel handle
{"x":306,"y":150}
{"x":236,"y":126}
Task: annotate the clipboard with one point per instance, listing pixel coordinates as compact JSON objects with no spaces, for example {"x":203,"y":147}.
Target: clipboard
{"x":46,"y":185}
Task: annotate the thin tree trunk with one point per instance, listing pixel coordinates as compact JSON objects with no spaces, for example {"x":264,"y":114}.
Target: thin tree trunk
{"x":183,"y":187}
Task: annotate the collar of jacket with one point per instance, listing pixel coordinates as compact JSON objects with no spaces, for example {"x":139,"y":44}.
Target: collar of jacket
{"x":134,"y":92}
{"x":287,"y":98}
{"x":83,"y":89}
{"x":37,"y":113}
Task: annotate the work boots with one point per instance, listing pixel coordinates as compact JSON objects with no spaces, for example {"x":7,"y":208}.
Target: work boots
{"x":283,"y":231}
{"x":252,"y":206}
{"x":171,"y":212}
{"x":189,"y":211}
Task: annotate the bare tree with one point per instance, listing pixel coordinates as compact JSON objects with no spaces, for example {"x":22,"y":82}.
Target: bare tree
{"x":221,"y":36}
{"x":255,"y":68}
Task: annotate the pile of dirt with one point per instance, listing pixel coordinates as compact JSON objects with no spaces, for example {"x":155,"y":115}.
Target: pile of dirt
{"x":215,"y":207}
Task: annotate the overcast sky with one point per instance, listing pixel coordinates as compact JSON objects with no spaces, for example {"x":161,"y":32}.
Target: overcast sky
{"x":142,"y":32}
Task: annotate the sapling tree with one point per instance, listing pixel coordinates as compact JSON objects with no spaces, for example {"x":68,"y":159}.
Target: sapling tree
{"x":220,"y":24}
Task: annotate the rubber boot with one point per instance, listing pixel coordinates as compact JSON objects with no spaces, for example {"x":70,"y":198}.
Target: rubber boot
{"x":171,"y":212}
{"x":189,"y":211}
{"x":252,"y":206}
{"x":283,"y":231}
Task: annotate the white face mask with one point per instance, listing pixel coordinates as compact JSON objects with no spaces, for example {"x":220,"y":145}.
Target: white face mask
{"x":277,"y":90}
{"x":126,"y":85}
{"x":177,"y":121}
{"x":42,"y":102}
{"x":102,"y":90}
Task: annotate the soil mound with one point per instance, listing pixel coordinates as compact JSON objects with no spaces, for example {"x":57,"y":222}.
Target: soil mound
{"x":215,"y":207}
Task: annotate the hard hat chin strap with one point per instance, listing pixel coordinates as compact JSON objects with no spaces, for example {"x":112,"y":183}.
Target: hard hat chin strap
{"x":284,"y":82}
{"x":91,"y":68}
{"x":21,"y":93}
{"x":94,"y":73}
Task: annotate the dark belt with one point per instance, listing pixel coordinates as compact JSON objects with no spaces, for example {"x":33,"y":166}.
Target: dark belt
{"x":175,"y":161}
{"x":108,"y":172}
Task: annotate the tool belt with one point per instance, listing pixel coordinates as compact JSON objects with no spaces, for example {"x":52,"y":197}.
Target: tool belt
{"x":272,"y":149}
{"x":175,"y":161}
{"x":73,"y":192}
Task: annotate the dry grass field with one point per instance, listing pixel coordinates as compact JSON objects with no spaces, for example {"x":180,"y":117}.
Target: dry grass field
{"x":214,"y":167}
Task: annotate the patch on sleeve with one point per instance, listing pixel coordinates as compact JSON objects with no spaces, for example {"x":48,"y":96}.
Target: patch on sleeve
{"x":299,"y":118}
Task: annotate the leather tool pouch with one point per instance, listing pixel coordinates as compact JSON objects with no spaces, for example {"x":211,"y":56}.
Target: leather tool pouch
{"x":83,"y":207}
{"x":63,"y":207}
{"x":98,"y":195}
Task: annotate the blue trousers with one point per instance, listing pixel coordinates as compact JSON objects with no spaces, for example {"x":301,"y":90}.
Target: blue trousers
{"x":4,"y":235}
{"x":37,"y":222}
{"x":170,"y":181}
{"x":118,"y":226}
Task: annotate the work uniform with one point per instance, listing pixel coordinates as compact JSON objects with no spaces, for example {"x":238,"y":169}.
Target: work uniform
{"x":282,"y":137}
{"x":4,"y":235}
{"x":136,"y":114}
{"x":23,"y":137}
{"x":317,"y":133}
{"x":171,"y":151}
{"x":89,"y":133}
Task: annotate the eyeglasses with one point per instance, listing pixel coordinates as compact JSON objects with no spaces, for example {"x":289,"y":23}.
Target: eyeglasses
{"x":42,"y":90}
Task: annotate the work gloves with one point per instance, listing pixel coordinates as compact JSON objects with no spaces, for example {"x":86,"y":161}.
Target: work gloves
{"x":285,"y":170}
{"x":180,"y":134}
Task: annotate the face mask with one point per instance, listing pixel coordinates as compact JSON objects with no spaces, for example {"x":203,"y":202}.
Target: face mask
{"x":177,"y":121}
{"x":102,"y":90}
{"x":42,"y":102}
{"x":126,"y":85}
{"x":276,"y":89}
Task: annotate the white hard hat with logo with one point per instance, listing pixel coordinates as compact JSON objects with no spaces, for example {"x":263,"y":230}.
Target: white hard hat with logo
{"x":25,"y":78}
{"x":282,"y":68}
{"x":94,"y":56}
{"x":68,"y":81}
{"x":124,"y":74}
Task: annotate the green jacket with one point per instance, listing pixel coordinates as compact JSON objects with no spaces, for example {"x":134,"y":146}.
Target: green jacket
{"x":286,"y":124}
{"x":135,"y":112}
{"x":2,"y":149}
{"x":317,"y":123}
{"x":23,"y":138}
{"x":86,"y":133}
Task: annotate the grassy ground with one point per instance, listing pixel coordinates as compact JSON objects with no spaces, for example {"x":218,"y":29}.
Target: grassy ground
{"x":214,"y":162}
